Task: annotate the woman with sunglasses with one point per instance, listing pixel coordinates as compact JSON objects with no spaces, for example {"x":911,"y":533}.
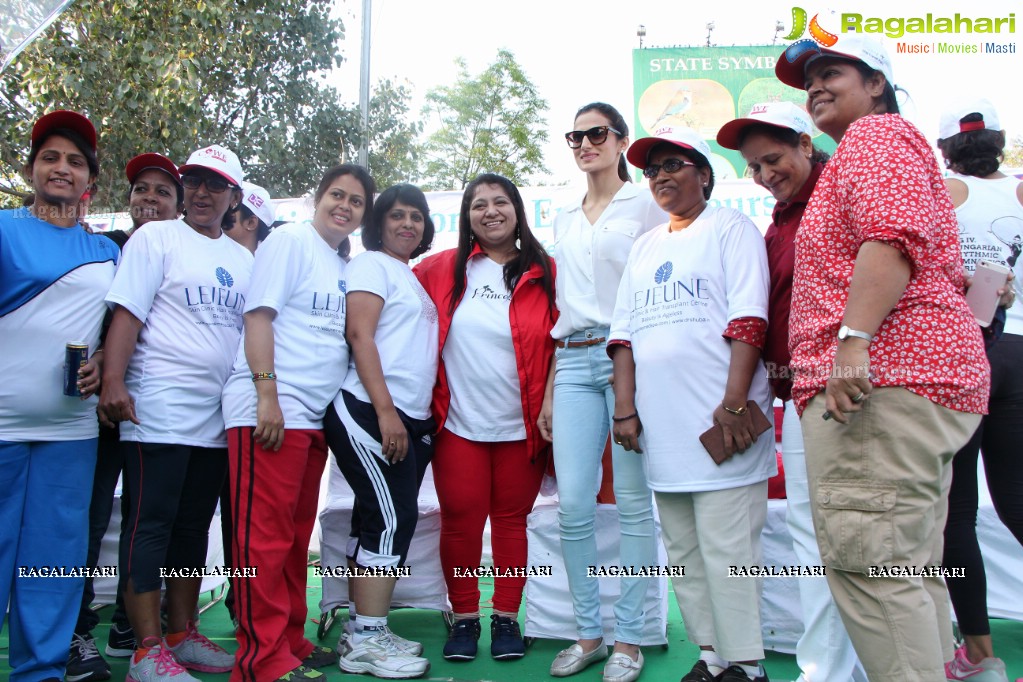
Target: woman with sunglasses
{"x":495,"y":298}
{"x":889,"y":372}
{"x":178,"y":299}
{"x":592,"y":242}
{"x":689,"y":322}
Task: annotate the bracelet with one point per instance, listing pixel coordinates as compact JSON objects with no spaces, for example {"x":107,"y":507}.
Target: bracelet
{"x":634,"y":415}
{"x":264,"y":376}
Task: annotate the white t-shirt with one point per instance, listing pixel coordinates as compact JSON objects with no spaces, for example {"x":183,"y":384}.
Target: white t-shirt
{"x":591,"y":258}
{"x":479,"y":360}
{"x":302,"y":279}
{"x":406,"y":335}
{"x":189,"y":291}
{"x":991,"y":229}
{"x":678,"y":294}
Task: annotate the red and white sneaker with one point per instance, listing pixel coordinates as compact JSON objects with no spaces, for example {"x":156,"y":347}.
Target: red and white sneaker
{"x":197,"y":652}
{"x":988,"y":670}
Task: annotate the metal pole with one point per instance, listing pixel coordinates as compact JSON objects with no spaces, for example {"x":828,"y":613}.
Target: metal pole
{"x":364,"y":83}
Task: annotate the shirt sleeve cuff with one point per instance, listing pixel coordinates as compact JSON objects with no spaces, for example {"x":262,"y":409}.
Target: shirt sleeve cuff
{"x":617,"y":342}
{"x":751,"y":330}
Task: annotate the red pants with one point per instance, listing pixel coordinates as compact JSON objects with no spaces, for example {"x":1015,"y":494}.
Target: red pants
{"x":476,"y":480}
{"x":273,"y":503}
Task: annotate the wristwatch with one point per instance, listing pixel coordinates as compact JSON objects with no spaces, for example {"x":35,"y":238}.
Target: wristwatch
{"x":738,"y":413}
{"x":845,"y":332}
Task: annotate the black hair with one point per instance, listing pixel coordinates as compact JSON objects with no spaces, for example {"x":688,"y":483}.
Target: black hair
{"x":785,"y":136}
{"x":531,"y":252}
{"x":177,"y":186}
{"x":616,"y":121}
{"x":696,"y":157}
{"x":369,"y":186}
{"x":410,"y":195}
{"x":974,"y":152}
{"x":74,"y":138}
{"x":263,"y":231}
{"x":888,"y":99}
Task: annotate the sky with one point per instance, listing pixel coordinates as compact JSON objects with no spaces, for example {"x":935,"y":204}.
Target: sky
{"x":577,"y":52}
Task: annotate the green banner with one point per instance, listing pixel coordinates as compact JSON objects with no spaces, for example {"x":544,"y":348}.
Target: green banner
{"x":704,"y":88}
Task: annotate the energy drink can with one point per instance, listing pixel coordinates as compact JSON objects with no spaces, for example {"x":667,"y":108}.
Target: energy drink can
{"x":75,"y":357}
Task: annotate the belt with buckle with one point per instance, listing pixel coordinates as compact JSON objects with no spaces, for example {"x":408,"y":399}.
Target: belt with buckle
{"x":578,"y":344}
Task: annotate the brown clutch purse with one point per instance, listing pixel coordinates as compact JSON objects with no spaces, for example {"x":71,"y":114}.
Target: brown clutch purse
{"x":713,"y":439}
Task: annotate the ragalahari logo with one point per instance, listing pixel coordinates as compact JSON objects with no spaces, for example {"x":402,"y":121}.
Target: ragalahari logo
{"x":819,"y":37}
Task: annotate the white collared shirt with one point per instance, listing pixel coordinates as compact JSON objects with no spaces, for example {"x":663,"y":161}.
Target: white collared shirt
{"x":591,"y":258}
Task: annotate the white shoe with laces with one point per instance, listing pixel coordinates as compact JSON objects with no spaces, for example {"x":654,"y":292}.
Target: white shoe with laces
{"x":158,"y":665}
{"x":379,"y":656}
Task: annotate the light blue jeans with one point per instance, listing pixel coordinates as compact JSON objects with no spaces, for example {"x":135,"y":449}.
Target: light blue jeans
{"x":583,"y":405}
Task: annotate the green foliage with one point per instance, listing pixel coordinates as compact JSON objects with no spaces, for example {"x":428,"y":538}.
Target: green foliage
{"x":493,"y":122}
{"x":1014,"y":153}
{"x":173,"y":75}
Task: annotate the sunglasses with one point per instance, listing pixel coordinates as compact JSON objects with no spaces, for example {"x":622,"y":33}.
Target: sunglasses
{"x":213,"y":184}
{"x":597,"y":135}
{"x":669,"y":166}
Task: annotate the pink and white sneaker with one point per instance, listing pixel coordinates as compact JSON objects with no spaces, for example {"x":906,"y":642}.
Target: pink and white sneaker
{"x":988,"y":670}
{"x":197,"y":652}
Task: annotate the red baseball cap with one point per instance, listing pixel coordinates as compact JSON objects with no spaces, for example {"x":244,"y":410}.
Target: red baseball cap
{"x":70,"y":120}
{"x":151,"y":160}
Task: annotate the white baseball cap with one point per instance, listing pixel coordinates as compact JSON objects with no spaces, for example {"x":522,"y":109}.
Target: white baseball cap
{"x":777,"y":114}
{"x":687,"y":138}
{"x":220,"y":160}
{"x":856,"y":46}
{"x":257,"y":200}
{"x":951,"y":119}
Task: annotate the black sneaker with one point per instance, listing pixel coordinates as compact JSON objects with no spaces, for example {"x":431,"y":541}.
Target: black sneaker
{"x":84,"y":662}
{"x":462,"y":640}
{"x":699,"y":673}
{"x":320,"y":657}
{"x":120,"y":643}
{"x":734,"y":673}
{"x":505,"y":639}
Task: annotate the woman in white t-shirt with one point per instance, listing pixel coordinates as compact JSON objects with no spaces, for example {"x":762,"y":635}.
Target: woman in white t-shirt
{"x":495,"y":298}
{"x":989,"y":209}
{"x":178,"y":298}
{"x":290,"y":365}
{"x":689,"y":325}
{"x":379,"y":426}
{"x":592,"y":239}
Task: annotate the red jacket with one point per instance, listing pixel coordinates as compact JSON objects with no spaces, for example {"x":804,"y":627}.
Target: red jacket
{"x":531,"y":320}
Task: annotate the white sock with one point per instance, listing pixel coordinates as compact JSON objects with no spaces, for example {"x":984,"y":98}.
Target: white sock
{"x":368,"y":626}
{"x":752,"y":671}
{"x":352,"y":615}
{"x":715,"y":664}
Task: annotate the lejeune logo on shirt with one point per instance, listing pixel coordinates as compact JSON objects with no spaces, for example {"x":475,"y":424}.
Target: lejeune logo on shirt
{"x":487,"y":292}
{"x":330,"y":305}
{"x":670,"y":301}
{"x":224,"y":304}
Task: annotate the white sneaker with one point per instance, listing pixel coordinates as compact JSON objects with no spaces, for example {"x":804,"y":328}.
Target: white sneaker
{"x":380,"y":656}
{"x":406,"y":646}
{"x":157,"y":666}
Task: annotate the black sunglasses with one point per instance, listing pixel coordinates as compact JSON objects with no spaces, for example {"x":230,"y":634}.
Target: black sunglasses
{"x":669,"y":166}
{"x":597,"y":135}
{"x":213,"y":184}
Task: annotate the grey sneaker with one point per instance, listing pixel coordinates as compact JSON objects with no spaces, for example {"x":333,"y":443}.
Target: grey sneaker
{"x":197,"y":652}
{"x":380,"y":656}
{"x":157,"y":666}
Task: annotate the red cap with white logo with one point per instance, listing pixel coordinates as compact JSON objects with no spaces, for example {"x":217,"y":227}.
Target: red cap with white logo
{"x":777,"y":114}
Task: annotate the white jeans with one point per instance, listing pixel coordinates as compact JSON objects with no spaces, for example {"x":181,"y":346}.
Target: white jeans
{"x":824,"y":652}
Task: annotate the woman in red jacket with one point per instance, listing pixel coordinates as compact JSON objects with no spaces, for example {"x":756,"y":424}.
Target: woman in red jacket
{"x":495,"y":298}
